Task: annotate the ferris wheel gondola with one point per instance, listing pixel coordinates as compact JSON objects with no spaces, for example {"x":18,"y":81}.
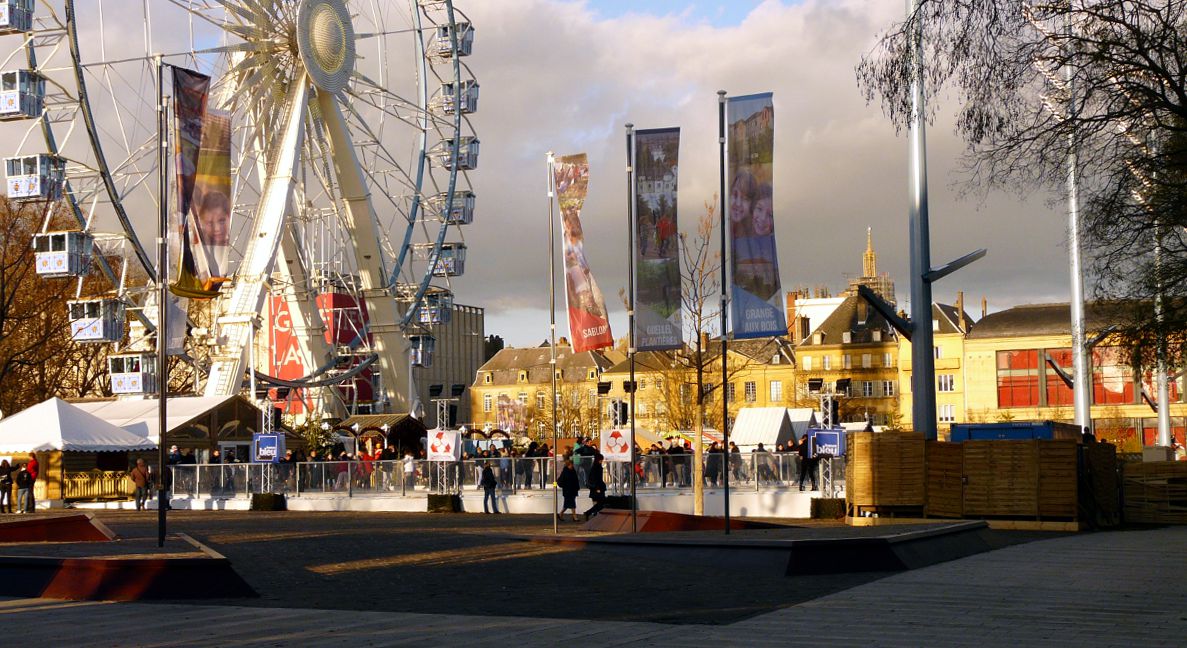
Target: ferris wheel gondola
{"x":348,"y":156}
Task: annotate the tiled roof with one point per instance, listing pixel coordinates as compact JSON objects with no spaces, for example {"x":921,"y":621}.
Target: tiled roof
{"x":505,"y":366}
{"x":846,"y":318}
{"x":1048,"y":319}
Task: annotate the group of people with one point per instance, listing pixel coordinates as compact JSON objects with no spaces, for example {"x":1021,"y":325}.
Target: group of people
{"x":24,"y":477}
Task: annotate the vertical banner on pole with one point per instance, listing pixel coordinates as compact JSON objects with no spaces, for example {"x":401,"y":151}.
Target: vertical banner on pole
{"x":755,"y":294}
{"x":589,"y":324}
{"x":210,"y":208}
{"x":190,"y":91}
{"x":657,"y":258}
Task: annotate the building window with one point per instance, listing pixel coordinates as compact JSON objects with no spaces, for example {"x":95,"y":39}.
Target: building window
{"x":1112,"y":377}
{"x":806,"y":361}
{"x":945,"y":383}
{"x":659,"y":382}
{"x":867,"y":360}
{"x":686,"y":393}
{"x":486,"y":402}
{"x":847,"y":337}
{"x":486,"y":379}
{"x":1018,"y":378}
{"x":593,"y":373}
{"x":1058,"y":393}
{"x":540,"y":399}
{"x":887,"y":359}
{"x":826,"y":363}
{"x":847,"y":361}
{"x":575,"y":398}
{"x":776,"y":391}
{"x":730,"y":394}
{"x":751,"y":388}
{"x":867,"y":388}
{"x":641,"y":409}
{"x":523,"y":376}
{"x":947,"y":413}
{"x":522,"y":398}
{"x":642,"y":384}
{"x":939,"y":352}
{"x":592,"y":394}
{"x":888,"y":388}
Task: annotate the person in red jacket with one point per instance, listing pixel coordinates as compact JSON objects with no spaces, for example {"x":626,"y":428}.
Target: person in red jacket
{"x":32,"y":468}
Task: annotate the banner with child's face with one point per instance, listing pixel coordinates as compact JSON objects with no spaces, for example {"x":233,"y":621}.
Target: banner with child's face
{"x":589,"y":324}
{"x":755,"y":295}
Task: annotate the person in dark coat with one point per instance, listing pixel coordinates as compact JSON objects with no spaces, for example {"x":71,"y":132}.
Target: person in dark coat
{"x":569,"y":485}
{"x":807,"y":461}
{"x":489,"y":484}
{"x":597,"y":487}
{"x":5,"y":486}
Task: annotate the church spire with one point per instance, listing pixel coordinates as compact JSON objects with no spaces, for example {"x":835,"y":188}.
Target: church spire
{"x":869,"y":260}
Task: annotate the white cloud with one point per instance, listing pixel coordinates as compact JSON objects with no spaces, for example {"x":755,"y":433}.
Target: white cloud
{"x":555,"y":76}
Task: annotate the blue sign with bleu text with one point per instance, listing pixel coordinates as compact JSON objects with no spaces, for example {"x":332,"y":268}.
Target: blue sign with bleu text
{"x":267,"y":448}
{"x":827,"y":442}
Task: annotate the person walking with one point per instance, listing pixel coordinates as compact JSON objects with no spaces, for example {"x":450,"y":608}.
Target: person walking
{"x":489,"y":484}
{"x":597,"y":487}
{"x":34,"y":469}
{"x":24,"y":486}
{"x":5,"y":486}
{"x":569,"y":485}
{"x":140,"y":479}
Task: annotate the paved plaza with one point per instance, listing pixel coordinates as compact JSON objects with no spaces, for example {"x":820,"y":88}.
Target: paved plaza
{"x":386,"y":579}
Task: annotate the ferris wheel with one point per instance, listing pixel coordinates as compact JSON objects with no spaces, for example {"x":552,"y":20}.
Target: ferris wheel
{"x":350,"y":153}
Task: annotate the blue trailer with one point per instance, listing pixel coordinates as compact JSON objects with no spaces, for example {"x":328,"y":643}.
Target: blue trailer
{"x":1014,"y":431}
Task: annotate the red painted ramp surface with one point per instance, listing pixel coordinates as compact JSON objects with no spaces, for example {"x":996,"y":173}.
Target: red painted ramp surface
{"x":616,"y":521}
{"x":82,"y":527}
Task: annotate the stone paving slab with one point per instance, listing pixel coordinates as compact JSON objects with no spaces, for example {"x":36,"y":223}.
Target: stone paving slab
{"x":1103,"y":589}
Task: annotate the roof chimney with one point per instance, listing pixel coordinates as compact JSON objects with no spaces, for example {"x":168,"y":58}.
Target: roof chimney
{"x":960,"y":311}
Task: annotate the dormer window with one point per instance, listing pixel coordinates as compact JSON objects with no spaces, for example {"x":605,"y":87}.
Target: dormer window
{"x":847,"y":337}
{"x":523,"y":376}
{"x":487,"y":379}
{"x":876,"y":336}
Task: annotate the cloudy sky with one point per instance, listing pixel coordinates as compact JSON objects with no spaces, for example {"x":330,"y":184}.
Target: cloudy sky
{"x":567,"y":75}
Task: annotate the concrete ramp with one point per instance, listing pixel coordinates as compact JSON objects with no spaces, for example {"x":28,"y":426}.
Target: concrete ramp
{"x":82,"y":527}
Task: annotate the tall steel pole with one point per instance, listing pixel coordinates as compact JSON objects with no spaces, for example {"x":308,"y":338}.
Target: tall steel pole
{"x":1164,"y":392}
{"x":556,"y":455}
{"x":725,"y":405}
{"x":630,"y":311}
{"x":1082,"y":379}
{"x":162,"y":300}
{"x":923,"y":367}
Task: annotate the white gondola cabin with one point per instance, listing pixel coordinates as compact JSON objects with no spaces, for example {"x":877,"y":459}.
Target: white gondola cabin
{"x":35,"y":177}
{"x":443,"y":45}
{"x":96,"y":320}
{"x":422,"y":350}
{"x":467,"y":153}
{"x":16,"y":16}
{"x":469,"y":96}
{"x":133,"y":373}
{"x":451,"y":261}
{"x":22,"y":95}
{"x":460,"y":212}
{"x":437,"y":308}
{"x":63,"y":254}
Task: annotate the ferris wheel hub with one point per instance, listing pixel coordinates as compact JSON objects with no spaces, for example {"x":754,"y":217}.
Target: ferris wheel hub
{"x":325,"y":40}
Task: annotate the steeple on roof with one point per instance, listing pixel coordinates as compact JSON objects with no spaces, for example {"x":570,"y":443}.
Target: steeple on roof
{"x":869,"y":260}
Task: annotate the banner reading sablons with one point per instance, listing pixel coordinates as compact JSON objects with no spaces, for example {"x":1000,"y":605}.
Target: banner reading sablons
{"x":589,"y":324}
{"x":755,"y":294}
{"x":657,"y":259}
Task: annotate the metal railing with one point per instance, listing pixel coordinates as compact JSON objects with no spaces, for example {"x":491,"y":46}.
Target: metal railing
{"x":754,"y":471}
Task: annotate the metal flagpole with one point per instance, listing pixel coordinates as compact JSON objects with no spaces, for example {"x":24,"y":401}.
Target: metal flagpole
{"x":725,"y":405}
{"x":923,"y":405}
{"x":630,"y":311}
{"x":162,"y":301}
{"x":1082,"y":380}
{"x":552,"y":337}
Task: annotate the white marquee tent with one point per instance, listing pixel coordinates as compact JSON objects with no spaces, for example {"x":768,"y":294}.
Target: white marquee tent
{"x":58,"y":425}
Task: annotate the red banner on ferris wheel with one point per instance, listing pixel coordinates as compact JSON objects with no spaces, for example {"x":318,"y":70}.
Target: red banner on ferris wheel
{"x":589,"y":324}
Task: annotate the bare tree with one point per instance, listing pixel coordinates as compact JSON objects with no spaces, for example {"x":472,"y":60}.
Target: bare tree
{"x":1037,"y":80}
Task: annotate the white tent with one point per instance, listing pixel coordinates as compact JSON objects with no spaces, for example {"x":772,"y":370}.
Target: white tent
{"x":141,"y":417}
{"x":802,"y":418}
{"x":769,"y":426}
{"x":58,"y":425}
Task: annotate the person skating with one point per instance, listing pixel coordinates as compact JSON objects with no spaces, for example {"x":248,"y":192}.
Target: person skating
{"x":569,"y":485}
